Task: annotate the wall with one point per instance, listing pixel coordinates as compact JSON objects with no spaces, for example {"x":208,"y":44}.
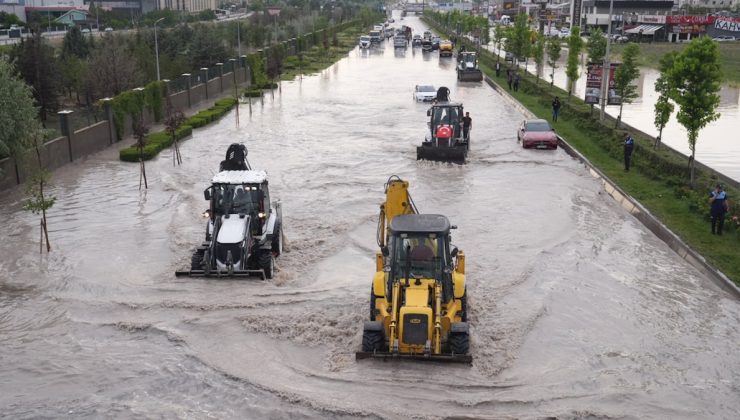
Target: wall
{"x":96,"y":137}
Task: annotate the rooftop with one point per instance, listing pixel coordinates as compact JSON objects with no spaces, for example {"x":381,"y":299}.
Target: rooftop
{"x":420,"y":223}
{"x":240,"y":177}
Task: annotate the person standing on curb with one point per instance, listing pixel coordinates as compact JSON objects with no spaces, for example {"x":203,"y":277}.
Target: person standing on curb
{"x":498,"y":69}
{"x":516,"y":82}
{"x":720,"y":206}
{"x":629,"y":146}
{"x":509,"y":79}
{"x":555,"y":108}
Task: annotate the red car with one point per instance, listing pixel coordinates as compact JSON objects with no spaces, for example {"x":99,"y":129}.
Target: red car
{"x":537,"y":134}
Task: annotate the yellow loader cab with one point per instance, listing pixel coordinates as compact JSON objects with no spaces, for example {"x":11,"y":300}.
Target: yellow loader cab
{"x":418,"y":302}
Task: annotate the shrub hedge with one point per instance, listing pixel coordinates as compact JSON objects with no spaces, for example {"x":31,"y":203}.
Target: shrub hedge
{"x":156,"y":142}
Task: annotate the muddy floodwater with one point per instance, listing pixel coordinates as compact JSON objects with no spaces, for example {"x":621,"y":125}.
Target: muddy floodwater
{"x":576,"y":309}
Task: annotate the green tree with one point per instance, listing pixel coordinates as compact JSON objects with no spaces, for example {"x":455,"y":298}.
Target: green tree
{"x":75,"y":44}
{"x":553,"y":55}
{"x":115,"y":71}
{"x":72,"y":74}
{"x":206,"y":47}
{"x":520,"y":38}
{"x":596,"y":46}
{"x":695,"y":80}
{"x":498,"y":38}
{"x":36,"y":62}
{"x":38,"y":202}
{"x":625,"y":76}
{"x":538,"y":53}
{"x":575,"y":45}
{"x":663,"y":106}
{"x":17,"y":111}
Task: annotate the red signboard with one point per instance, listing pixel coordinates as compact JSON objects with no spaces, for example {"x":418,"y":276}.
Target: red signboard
{"x":689,"y":20}
{"x":593,"y":85}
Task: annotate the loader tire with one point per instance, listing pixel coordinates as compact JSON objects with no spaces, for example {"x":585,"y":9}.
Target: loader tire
{"x":372,"y":305}
{"x":196,"y":261}
{"x":277,"y":240}
{"x":464,"y":304}
{"x":267,"y":264}
{"x":372,"y":341}
{"x":459,"y":343}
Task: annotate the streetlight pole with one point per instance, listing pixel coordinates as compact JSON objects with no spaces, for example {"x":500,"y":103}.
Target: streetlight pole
{"x":606,"y":70}
{"x":239,"y":37}
{"x":156,"y":45}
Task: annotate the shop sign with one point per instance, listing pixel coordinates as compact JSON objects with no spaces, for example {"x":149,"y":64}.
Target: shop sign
{"x":727,"y":24}
{"x":652,"y":19}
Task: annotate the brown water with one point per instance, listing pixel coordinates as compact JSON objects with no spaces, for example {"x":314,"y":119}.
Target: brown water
{"x":576,"y":309}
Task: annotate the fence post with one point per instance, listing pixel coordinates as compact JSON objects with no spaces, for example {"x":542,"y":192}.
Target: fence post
{"x":221,"y":75}
{"x":187,"y":75}
{"x":204,"y":75}
{"x":65,"y":129}
{"x":109,"y":117}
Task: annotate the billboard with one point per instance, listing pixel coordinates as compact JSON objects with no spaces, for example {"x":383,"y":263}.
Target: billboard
{"x":593,"y":84}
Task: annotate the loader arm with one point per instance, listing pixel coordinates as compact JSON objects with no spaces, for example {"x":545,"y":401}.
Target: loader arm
{"x":398,"y":201}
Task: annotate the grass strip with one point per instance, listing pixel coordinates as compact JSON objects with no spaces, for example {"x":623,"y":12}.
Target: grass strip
{"x":658,"y":180}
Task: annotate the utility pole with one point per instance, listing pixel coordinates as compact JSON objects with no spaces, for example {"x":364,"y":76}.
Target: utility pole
{"x":156,"y":45}
{"x":606,"y":70}
{"x":239,"y":37}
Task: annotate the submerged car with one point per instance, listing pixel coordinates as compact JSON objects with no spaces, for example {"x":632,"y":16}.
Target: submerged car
{"x":424,"y":93}
{"x":365,"y":41}
{"x":399,"y":42}
{"x":416,"y":40}
{"x":537,"y":134}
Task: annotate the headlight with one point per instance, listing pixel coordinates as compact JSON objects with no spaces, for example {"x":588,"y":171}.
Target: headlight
{"x":261,"y":215}
{"x":206,"y":214}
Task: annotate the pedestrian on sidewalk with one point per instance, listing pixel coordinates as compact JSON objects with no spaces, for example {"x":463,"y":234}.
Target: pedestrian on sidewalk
{"x":498,"y":69}
{"x":555,"y":108}
{"x":509,"y":78}
{"x":516,"y":82}
{"x":720,"y":206}
{"x":629,"y":147}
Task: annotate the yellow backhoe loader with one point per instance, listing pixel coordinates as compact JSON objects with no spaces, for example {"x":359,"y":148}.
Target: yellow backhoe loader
{"x":417,"y":301}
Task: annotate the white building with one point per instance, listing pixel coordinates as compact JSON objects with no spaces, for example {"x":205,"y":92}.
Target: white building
{"x":188,"y":5}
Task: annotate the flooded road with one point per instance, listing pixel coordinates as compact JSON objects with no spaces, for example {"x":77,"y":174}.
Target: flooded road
{"x":576,"y":309}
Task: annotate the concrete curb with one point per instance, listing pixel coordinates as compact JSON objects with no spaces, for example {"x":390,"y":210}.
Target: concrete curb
{"x":635,"y":208}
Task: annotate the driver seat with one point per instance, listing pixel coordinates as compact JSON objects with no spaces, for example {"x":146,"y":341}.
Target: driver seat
{"x":422,"y":253}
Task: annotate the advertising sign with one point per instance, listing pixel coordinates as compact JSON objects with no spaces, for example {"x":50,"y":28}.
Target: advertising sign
{"x":727,"y":24}
{"x":652,"y":19}
{"x":575,"y":17}
{"x":509,"y":5}
{"x":690,"y":20}
{"x":593,"y":85}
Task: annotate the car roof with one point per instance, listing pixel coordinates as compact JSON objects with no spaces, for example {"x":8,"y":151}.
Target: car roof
{"x":537,"y":120}
{"x":239,"y":177}
{"x":447,"y":105}
{"x":420,"y":223}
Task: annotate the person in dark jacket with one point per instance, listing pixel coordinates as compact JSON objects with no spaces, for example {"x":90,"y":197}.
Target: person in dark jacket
{"x":509,"y":78}
{"x":498,"y":69}
{"x":720,"y":206}
{"x":629,"y":147}
{"x":467,"y":122}
{"x":516,"y":82}
{"x":555,"y":108}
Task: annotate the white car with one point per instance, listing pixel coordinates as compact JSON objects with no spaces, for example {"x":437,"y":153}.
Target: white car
{"x":424,"y":93}
{"x":552,"y":33}
{"x":564,"y":33}
{"x":364,"y":41}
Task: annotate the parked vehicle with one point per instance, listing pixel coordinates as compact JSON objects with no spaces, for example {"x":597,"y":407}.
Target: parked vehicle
{"x":509,"y":57}
{"x":424,"y":93}
{"x":537,"y":134}
{"x":564,"y":33}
